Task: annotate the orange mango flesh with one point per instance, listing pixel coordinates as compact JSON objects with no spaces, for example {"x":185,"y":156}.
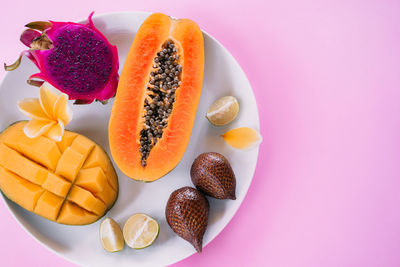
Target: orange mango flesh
{"x":70,"y":182}
{"x":126,"y":119}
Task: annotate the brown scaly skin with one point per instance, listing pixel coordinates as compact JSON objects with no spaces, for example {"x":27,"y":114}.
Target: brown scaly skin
{"x":187,"y":215}
{"x":212,"y":174}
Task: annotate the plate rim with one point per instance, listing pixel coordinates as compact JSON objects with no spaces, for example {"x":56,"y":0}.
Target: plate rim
{"x":229,"y":217}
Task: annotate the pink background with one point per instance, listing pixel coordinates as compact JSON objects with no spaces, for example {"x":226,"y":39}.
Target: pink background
{"x":326,"y":75}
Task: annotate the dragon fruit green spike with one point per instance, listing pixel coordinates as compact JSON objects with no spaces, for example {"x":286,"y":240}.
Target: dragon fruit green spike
{"x":75,"y":58}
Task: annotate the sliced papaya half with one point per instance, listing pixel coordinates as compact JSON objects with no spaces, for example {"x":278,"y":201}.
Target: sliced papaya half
{"x":157,"y":97}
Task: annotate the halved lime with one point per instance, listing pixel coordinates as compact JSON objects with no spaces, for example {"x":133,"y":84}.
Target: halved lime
{"x":140,"y":231}
{"x":223,"y":111}
{"x":111,"y":235}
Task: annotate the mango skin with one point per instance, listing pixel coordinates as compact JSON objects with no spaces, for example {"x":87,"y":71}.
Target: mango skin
{"x":69,"y":182}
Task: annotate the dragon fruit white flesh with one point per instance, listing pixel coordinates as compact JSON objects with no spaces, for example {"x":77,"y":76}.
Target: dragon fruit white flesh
{"x":75,"y":58}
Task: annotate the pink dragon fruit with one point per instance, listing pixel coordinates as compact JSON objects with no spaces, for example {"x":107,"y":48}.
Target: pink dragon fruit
{"x":75,"y":58}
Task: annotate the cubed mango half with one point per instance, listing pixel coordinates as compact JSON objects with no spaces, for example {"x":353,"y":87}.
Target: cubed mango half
{"x":69,"y":182}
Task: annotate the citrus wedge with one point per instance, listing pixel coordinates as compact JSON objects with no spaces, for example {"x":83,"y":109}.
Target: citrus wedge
{"x":111,"y":235}
{"x":140,"y":231}
{"x":223,"y":111}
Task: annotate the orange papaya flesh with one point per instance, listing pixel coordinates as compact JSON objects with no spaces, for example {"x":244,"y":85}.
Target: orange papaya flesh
{"x":129,"y":121}
{"x":69,"y":182}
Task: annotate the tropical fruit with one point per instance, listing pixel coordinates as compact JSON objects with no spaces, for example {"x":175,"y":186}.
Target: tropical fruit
{"x":212,"y":174}
{"x":223,"y":111}
{"x":75,"y":58}
{"x":187,"y":215}
{"x":157,"y":97}
{"x":242,"y":138}
{"x":69,"y":182}
{"x":140,"y":231}
{"x":111,"y":235}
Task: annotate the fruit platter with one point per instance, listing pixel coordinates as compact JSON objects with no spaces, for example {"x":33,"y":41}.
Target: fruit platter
{"x":126,"y":138}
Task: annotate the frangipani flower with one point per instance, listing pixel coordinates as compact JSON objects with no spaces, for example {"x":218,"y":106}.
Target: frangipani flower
{"x":50,"y":113}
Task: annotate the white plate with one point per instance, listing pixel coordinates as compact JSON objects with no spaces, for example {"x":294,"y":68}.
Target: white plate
{"x":80,"y":244}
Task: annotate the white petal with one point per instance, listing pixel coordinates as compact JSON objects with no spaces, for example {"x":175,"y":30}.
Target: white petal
{"x":31,"y":107}
{"x":62,"y":110}
{"x":35,"y":128}
{"x":48,"y":98}
{"x":56,"y":132}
